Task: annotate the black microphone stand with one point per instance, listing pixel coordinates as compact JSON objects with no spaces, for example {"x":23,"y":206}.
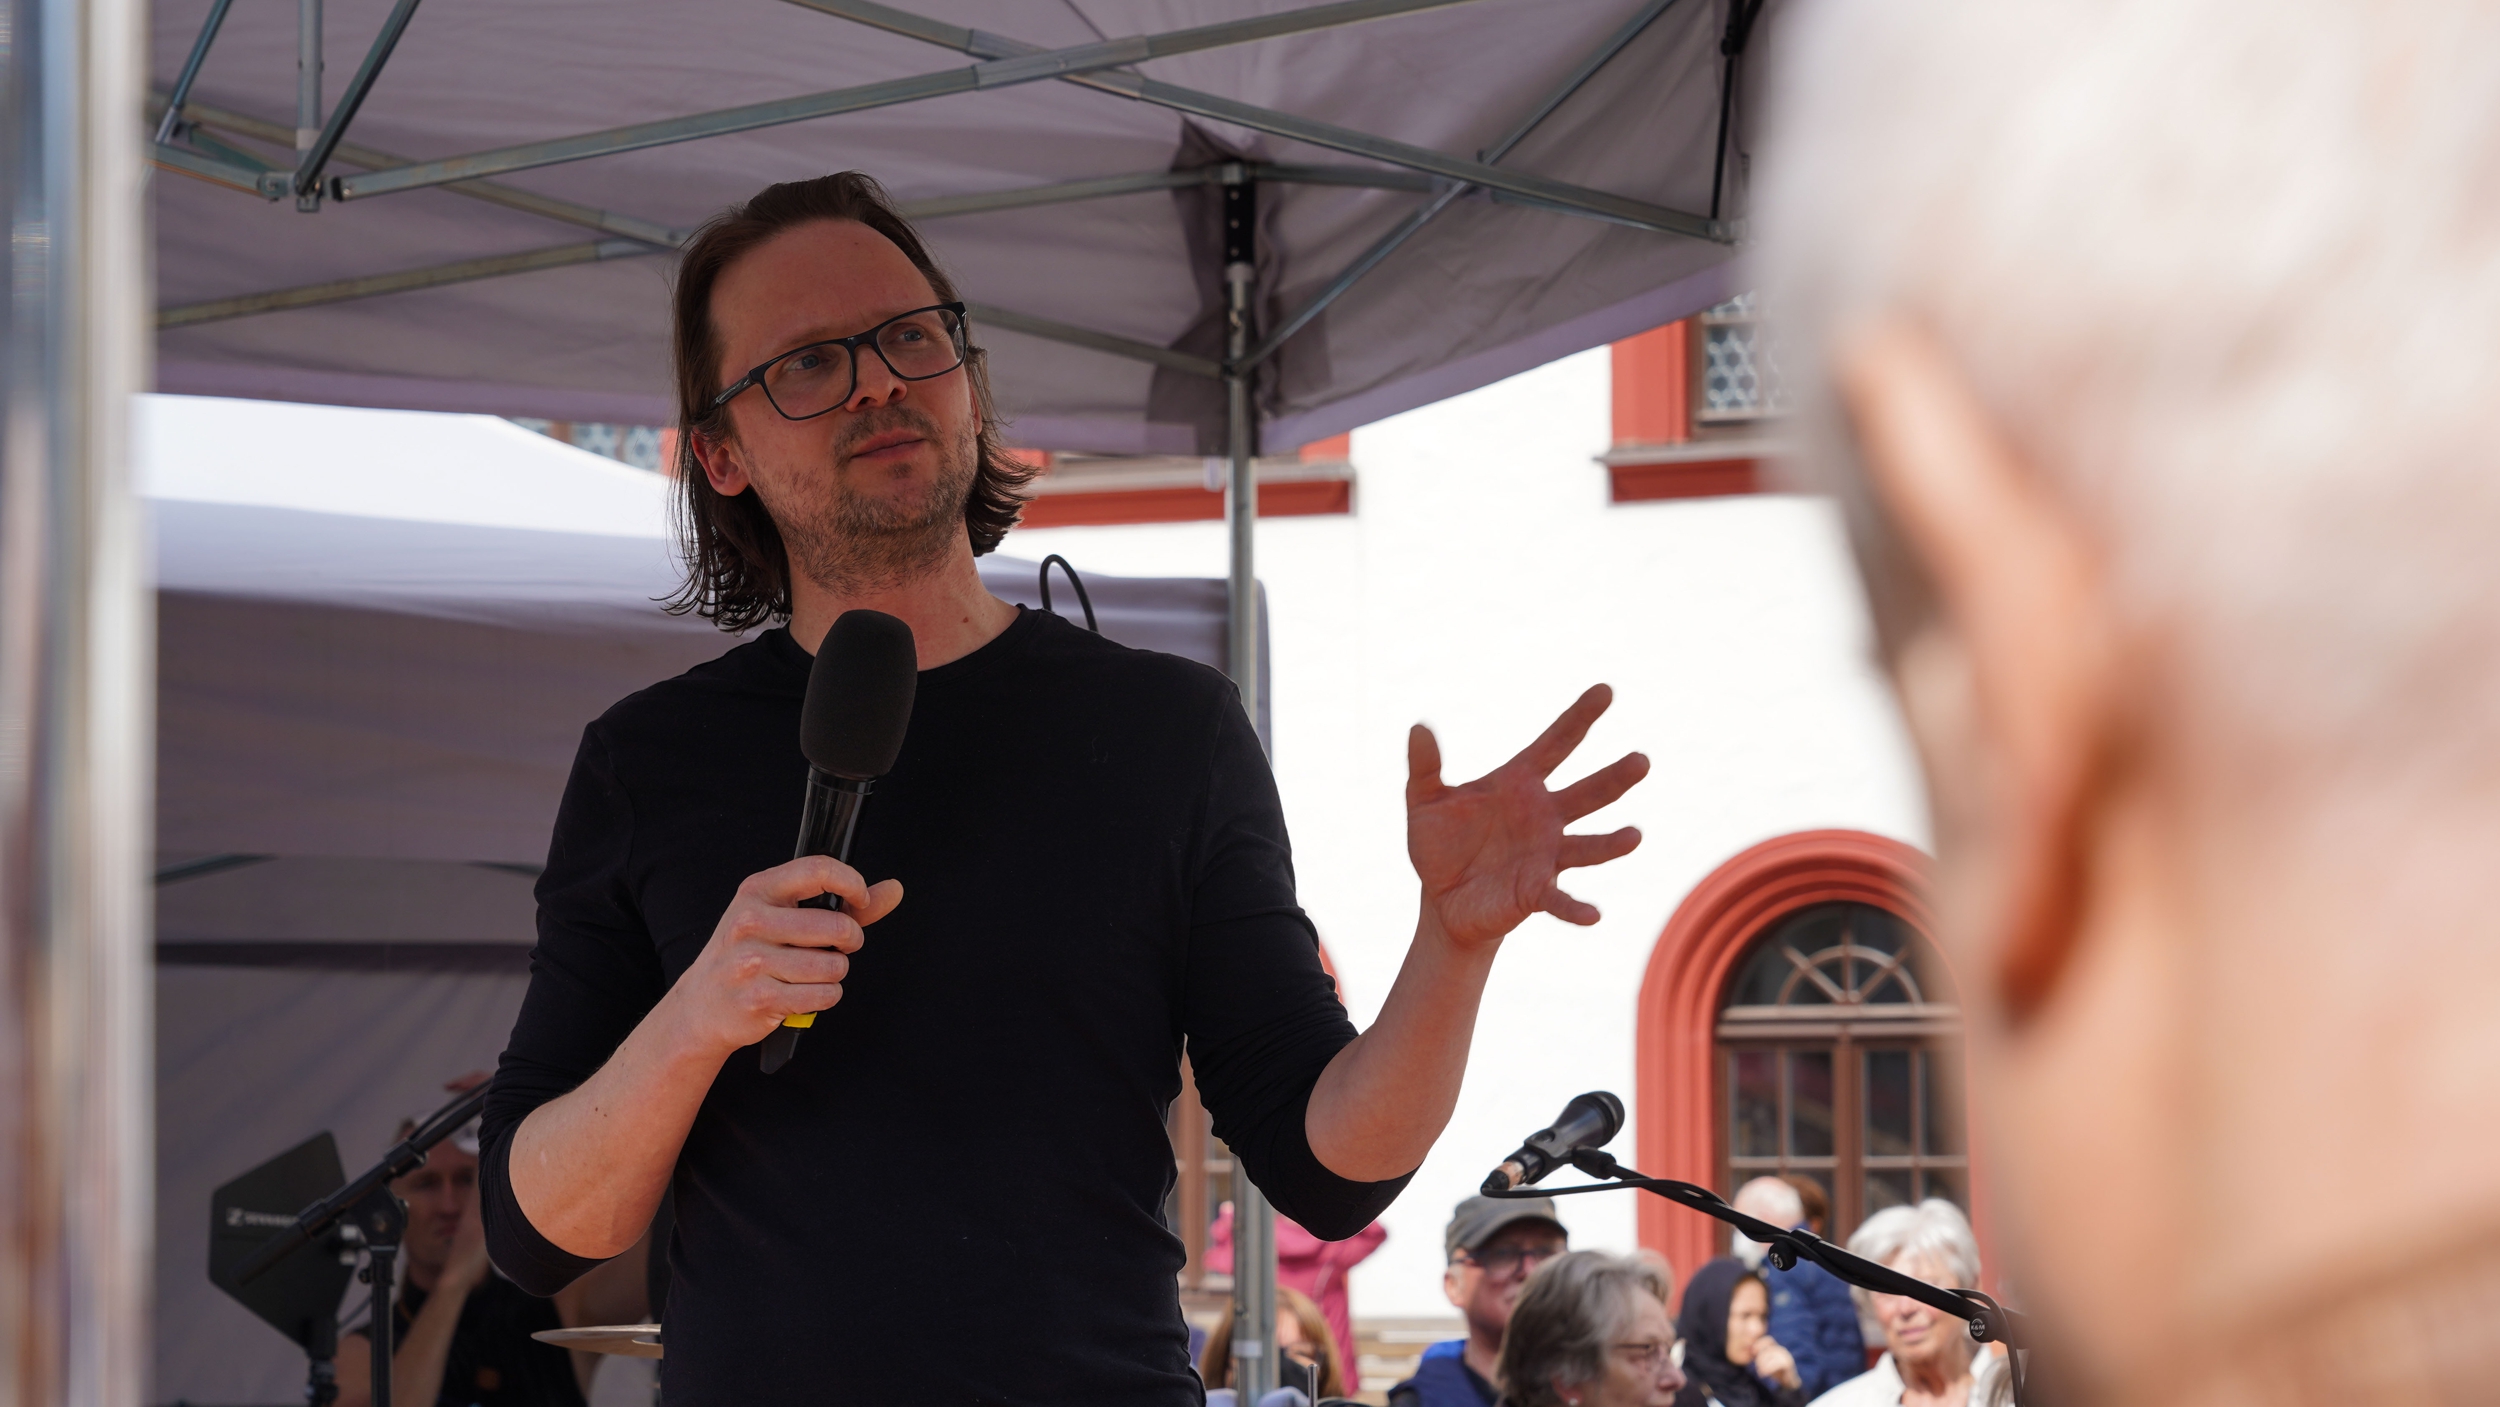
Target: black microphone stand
{"x":1989,"y":1321}
{"x":366,"y":1214}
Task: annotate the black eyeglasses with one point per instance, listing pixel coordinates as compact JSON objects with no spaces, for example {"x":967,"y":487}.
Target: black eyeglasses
{"x":1502,"y":1260}
{"x":805,"y":382}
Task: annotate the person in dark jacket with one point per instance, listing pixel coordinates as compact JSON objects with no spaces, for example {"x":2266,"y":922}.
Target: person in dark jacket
{"x":1812,"y":1314}
{"x":1493,"y":1246}
{"x":1730,"y":1357}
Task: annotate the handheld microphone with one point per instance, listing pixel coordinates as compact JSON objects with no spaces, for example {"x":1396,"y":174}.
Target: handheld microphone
{"x":851,"y":727}
{"x":1589,"y":1121}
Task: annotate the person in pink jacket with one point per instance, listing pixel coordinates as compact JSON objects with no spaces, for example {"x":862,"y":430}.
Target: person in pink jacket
{"x":1304,"y":1262}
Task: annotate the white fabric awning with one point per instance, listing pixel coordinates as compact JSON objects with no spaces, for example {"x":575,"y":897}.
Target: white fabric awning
{"x":542,"y":291}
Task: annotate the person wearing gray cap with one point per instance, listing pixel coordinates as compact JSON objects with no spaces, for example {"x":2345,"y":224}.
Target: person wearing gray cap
{"x":1493,"y":1246}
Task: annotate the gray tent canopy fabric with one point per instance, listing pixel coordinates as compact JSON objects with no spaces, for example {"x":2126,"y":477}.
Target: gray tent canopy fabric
{"x":1449,"y":191}
{"x":380,"y":638}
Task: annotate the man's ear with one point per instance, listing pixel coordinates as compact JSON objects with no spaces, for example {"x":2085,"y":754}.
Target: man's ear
{"x":2009,"y":690}
{"x":722,"y":463}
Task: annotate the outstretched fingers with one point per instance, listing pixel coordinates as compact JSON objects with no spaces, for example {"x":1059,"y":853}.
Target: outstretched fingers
{"x":1572,"y":911}
{"x":1566,"y":732}
{"x":1578,"y":851}
{"x":1603,"y":787}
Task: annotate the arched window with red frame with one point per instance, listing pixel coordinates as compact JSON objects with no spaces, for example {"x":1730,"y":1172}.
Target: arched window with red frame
{"x":1796,"y":1018}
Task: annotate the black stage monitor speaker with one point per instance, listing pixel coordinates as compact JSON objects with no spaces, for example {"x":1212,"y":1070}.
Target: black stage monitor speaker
{"x":302,"y":1292}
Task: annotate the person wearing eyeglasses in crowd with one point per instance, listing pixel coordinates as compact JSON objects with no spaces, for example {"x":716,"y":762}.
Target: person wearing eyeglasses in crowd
{"x":1493,"y":1246}
{"x":1591,"y":1330}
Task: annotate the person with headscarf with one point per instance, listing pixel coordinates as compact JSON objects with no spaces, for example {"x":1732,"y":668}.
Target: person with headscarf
{"x":1730,"y":1358}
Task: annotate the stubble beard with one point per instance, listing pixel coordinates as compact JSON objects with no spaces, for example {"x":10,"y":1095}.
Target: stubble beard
{"x":863,"y":544}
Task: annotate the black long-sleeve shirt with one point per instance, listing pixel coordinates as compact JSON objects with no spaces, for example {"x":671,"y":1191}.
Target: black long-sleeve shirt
{"x":955,"y":1191}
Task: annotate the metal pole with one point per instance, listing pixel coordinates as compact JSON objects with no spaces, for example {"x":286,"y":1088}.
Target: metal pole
{"x":317,"y":154}
{"x":1242,"y":495}
{"x":172,"y":121}
{"x":75,"y":695}
{"x":307,"y":86}
{"x":307,"y":73}
{"x":1254,"y":1221}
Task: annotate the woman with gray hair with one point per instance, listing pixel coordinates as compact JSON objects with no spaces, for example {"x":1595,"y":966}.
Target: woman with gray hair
{"x":1591,"y":1330}
{"x":1929,"y":1358}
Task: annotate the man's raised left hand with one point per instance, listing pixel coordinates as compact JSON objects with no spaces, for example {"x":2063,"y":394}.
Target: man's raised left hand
{"x":1492,"y":851}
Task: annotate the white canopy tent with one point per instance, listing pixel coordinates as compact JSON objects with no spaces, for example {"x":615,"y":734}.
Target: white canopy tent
{"x":1076,"y":196}
{"x":381,"y":637}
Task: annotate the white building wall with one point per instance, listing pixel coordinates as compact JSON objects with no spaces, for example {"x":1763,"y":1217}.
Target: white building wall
{"x":1483,"y":581}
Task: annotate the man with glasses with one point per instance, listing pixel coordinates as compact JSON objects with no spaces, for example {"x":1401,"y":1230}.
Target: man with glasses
{"x":955,"y":1191}
{"x":1494,"y":1245}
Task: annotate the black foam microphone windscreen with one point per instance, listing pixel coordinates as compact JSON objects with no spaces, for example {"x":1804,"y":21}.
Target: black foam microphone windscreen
{"x":859,"y":696}
{"x":1589,"y":1121}
{"x":851,"y":727}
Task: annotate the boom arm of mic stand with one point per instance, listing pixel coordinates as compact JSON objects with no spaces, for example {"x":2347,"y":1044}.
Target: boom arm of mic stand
{"x":405,"y":1158}
{"x":1989,"y":1321}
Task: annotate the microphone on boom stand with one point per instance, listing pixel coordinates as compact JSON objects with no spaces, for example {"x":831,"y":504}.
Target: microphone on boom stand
{"x":851,"y":727}
{"x":1589,"y":1121}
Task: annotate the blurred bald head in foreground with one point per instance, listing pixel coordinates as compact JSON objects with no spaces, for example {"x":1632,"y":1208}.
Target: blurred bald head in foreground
{"x":2153,"y":350}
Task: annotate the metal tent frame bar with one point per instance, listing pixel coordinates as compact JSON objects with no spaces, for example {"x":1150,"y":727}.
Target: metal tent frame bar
{"x":1389,"y":244}
{"x":1027,"y":65}
{"x":1004,"y":62}
{"x":1560,"y":195}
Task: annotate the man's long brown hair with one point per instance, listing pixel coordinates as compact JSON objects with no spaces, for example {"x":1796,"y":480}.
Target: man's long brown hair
{"x":737,"y":570}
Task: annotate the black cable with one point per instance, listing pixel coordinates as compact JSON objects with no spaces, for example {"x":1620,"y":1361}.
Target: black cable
{"x":1073,"y":580}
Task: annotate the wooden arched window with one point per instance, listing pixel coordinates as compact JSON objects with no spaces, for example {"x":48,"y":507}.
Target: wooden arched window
{"x":1838,"y":1055}
{"x":1794,"y":1017}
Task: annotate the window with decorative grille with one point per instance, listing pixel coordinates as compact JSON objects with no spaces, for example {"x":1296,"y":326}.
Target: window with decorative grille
{"x":1740,"y":373}
{"x":1839,"y":1054}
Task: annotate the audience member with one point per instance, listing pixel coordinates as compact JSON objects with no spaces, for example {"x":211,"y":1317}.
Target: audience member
{"x":1591,"y":1330}
{"x":1930,"y":1359}
{"x":1729,"y":1357}
{"x":1811,"y":1196}
{"x":1309,"y":1352}
{"x":460,"y":1332}
{"x":2147,"y":347}
{"x":1493,"y":1246}
{"x":1811,"y":1312}
{"x":1303,"y":1261}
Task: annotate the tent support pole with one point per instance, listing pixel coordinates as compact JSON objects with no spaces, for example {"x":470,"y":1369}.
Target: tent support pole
{"x":346,"y":289}
{"x":172,"y":121}
{"x":317,"y":152}
{"x":1051,"y":329}
{"x":1254,"y":1221}
{"x":77,"y":695}
{"x":197,"y":118}
{"x":307,"y":74}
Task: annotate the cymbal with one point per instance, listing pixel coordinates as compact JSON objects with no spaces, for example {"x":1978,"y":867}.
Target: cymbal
{"x":631,"y":1340}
